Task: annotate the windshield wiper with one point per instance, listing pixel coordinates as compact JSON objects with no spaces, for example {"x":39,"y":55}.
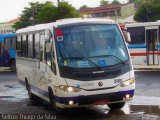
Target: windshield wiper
{"x":122,"y":62}
{"x":85,"y":59}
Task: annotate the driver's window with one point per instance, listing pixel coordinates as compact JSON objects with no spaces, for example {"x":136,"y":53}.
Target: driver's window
{"x":47,"y":50}
{"x":50,"y":58}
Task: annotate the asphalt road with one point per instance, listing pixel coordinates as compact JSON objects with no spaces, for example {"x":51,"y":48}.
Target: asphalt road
{"x":14,"y":103}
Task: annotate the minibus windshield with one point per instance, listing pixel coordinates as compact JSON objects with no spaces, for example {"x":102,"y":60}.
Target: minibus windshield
{"x":101,"y":45}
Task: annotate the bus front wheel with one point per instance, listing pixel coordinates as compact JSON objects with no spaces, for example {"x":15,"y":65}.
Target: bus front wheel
{"x":116,"y":106}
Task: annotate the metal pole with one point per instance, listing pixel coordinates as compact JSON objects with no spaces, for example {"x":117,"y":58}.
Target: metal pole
{"x":33,"y":22}
{"x":58,"y":1}
{"x":147,"y":15}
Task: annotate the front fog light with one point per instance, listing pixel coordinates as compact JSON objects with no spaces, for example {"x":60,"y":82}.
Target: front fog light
{"x":126,"y":83}
{"x":70,"y":102}
{"x":127,"y":96}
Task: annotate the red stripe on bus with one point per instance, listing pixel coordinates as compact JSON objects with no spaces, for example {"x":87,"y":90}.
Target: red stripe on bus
{"x":144,"y":54}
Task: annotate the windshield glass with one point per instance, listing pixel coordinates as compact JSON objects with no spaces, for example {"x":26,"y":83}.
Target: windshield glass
{"x":90,"y":46}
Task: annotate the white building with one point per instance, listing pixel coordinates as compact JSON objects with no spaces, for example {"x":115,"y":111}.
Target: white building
{"x":6,"y":28}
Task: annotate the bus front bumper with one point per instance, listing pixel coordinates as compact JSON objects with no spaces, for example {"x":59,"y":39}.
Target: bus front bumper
{"x":97,"y":99}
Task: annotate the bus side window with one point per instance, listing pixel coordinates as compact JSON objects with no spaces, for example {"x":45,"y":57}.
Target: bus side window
{"x":7,"y":43}
{"x":137,"y":35}
{"x":42,"y":42}
{"x":30,"y":45}
{"x":13,"y":43}
{"x":48,"y":59}
{"x":19,"y":46}
{"x":24,"y":45}
{"x":37,"y":46}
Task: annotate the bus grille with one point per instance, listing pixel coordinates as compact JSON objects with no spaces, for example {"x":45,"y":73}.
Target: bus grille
{"x":110,"y":74}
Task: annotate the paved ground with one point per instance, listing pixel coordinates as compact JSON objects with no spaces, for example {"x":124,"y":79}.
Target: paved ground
{"x":14,"y":103}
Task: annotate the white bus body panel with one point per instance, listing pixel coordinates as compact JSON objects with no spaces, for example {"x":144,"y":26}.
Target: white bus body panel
{"x":138,"y":60}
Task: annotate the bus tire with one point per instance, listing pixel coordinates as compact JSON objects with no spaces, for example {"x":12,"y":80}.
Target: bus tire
{"x":116,"y":106}
{"x":30,"y":94}
{"x":13,"y":65}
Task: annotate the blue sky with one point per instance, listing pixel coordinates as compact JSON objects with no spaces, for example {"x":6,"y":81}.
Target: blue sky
{"x":11,"y":9}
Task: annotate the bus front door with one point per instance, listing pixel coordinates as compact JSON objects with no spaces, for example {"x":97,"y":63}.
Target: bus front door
{"x":152,"y":46}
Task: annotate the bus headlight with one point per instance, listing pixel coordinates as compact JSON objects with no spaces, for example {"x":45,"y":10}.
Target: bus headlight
{"x":69,"y":88}
{"x":126,"y":83}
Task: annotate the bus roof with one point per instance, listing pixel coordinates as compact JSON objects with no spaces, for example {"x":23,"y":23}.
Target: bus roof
{"x":8,"y":35}
{"x":145,"y":24}
{"x":63,"y":22}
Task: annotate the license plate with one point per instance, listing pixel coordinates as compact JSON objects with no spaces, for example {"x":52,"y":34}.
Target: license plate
{"x":101,"y":102}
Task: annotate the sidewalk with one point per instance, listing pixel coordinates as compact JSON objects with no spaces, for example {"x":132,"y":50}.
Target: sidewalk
{"x":149,"y":67}
{"x":5,"y":69}
{"x":145,"y":100}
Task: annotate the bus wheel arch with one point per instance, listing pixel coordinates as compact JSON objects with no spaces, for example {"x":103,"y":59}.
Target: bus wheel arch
{"x":28,"y":87}
{"x":116,"y":106}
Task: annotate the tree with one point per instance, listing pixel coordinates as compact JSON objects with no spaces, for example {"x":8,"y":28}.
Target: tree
{"x":83,"y":7}
{"x":50,"y":13}
{"x":115,"y":2}
{"x":148,"y":12}
{"x":65,"y":10}
{"x":104,"y":2}
{"x":139,"y":2}
{"x":45,"y":13}
{"x":28,"y":15}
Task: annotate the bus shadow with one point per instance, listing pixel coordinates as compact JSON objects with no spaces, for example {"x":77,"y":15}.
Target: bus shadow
{"x":78,"y":113}
{"x":89,"y":113}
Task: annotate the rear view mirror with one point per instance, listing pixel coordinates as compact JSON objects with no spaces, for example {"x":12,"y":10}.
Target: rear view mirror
{"x":128,"y":37}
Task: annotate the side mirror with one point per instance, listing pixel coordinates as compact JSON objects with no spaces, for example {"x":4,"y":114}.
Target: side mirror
{"x":128,"y":37}
{"x":48,"y":47}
